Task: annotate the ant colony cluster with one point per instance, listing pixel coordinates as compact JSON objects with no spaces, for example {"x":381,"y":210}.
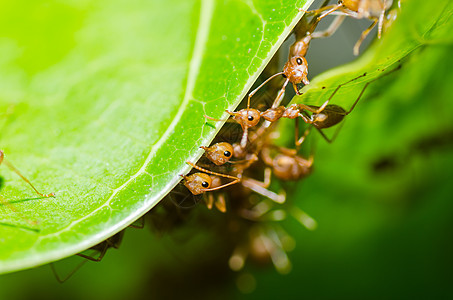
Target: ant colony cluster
{"x":227,"y":174}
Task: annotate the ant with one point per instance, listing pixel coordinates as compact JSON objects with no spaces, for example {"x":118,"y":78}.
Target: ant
{"x":321,"y":117}
{"x":199,"y":183}
{"x":373,"y":10}
{"x":286,"y":164}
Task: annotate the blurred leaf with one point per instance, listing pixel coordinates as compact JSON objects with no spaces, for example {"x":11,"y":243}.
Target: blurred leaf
{"x":102,"y":103}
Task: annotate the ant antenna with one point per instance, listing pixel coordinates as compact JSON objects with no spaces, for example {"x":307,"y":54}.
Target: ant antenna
{"x":235,"y":179}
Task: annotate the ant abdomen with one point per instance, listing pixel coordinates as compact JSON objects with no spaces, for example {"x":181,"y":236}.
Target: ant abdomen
{"x":287,"y":167}
{"x":286,"y":164}
{"x":330,"y":116}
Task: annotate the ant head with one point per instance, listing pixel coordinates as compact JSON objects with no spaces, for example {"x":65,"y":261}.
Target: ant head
{"x":296,"y":70}
{"x":197,"y":183}
{"x":247,"y":118}
{"x":219,"y":153}
{"x":354,"y":4}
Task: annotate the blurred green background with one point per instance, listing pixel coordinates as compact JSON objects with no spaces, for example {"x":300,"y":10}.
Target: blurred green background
{"x":382,"y":195}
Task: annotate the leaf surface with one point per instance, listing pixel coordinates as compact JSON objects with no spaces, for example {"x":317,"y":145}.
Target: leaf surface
{"x":103,"y":102}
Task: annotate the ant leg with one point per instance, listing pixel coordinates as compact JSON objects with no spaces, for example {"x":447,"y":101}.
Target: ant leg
{"x":324,"y":11}
{"x":235,"y":179}
{"x":274,"y":247}
{"x":331,"y":140}
{"x":303,"y":114}
{"x":209,"y":201}
{"x":257,"y":212}
{"x":280,"y":95}
{"x":299,"y":140}
{"x":117,"y":238}
{"x":112,"y":242}
{"x":12,"y":168}
{"x":64,"y":279}
{"x":102,"y":252}
{"x":220,"y":203}
{"x":331,"y":29}
{"x":303,"y":218}
{"x":218,"y":120}
{"x":366,"y":85}
{"x":381,"y":23}
{"x":323,"y":106}
{"x":363,"y":36}
{"x":260,"y":86}
{"x":244,"y":138}
{"x":261,"y":187}
{"x":248,"y":162}
{"x":140,"y":224}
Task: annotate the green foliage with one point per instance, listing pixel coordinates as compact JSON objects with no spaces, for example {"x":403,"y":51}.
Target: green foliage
{"x":103,"y":102}
{"x":381,"y":193}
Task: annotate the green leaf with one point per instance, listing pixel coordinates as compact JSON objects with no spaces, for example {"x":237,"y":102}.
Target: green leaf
{"x":103,"y":102}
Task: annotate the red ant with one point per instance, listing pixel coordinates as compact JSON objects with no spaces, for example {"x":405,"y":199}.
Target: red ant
{"x":358,"y":9}
{"x":323,"y":116}
{"x":199,"y":183}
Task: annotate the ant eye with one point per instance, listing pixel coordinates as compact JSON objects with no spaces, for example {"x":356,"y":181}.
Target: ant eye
{"x":227,"y":153}
{"x":250,"y":118}
{"x":284,"y":76}
{"x":299,"y":61}
{"x":205,"y":184}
